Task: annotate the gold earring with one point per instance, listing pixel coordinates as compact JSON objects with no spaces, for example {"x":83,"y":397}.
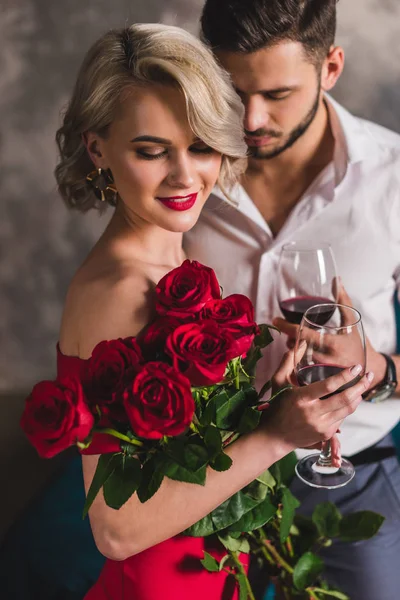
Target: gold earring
{"x":103,"y":185}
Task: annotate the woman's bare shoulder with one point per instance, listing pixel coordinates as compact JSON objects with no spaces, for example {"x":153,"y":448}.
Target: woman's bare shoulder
{"x":103,"y":304}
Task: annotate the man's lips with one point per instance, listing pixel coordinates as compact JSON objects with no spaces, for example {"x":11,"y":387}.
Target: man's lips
{"x":258,"y":141}
{"x":179,"y":202}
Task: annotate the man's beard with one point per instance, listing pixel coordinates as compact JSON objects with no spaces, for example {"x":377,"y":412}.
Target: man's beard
{"x":296,"y":133}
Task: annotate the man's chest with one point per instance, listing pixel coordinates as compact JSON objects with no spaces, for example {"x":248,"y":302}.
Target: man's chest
{"x":245,"y":255}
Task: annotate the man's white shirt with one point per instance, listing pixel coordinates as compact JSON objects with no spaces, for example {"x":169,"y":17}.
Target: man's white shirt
{"x":354,"y":204}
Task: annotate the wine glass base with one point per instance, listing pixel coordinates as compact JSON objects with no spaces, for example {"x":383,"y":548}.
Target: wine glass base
{"x":306,"y":471}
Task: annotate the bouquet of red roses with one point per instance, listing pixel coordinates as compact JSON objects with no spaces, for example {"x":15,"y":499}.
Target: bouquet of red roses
{"x":164,"y":403}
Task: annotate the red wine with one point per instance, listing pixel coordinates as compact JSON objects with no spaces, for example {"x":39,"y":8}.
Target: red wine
{"x":314,"y":373}
{"x":294,"y":308}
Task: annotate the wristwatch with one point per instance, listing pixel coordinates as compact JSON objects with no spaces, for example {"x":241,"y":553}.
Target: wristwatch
{"x":386,"y":388}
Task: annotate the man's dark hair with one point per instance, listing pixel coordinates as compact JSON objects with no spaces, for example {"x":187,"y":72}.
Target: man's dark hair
{"x":249,"y":25}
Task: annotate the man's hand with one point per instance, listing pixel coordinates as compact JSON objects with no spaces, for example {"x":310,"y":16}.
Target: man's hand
{"x":375,"y":361}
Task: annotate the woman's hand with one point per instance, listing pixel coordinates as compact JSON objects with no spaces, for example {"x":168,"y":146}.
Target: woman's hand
{"x":300,"y":418}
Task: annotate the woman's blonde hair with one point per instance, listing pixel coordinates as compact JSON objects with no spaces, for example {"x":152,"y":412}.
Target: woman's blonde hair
{"x":148,"y":54}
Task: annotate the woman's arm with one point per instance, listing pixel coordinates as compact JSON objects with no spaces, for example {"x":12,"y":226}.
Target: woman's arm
{"x":299,"y":419}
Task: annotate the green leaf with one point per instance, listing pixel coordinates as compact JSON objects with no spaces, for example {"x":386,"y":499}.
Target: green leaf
{"x":250,"y":393}
{"x":228,"y":409}
{"x":327,"y":519}
{"x":232,"y":510}
{"x":105,"y":467}
{"x":267,"y":479}
{"x":191,"y":456}
{"x":255,"y":518}
{"x":243,"y":593}
{"x":284,"y":470}
{"x":153,"y":473}
{"x":178,"y":473}
{"x":202,"y":528}
{"x":240,"y":544}
{"x":213,"y":441}
{"x":252,"y":358}
{"x":249,"y":420}
{"x":195,"y":456}
{"x":265,"y":336}
{"x":265,"y":388}
{"x":256,"y":490}
{"x":123,"y":482}
{"x":222,"y":462}
{"x":210,"y":563}
{"x":290,"y":503}
{"x":307,"y":533}
{"x":307,"y":569}
{"x":361,"y":525}
{"x":208,"y":415}
{"x":331,"y":593}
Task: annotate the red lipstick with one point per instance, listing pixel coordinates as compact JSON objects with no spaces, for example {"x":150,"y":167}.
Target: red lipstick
{"x":179,"y":202}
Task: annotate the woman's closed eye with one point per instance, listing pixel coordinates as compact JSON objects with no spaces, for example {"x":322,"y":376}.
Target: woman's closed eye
{"x":156,"y":152}
{"x":152,"y":152}
{"x":201,"y":148}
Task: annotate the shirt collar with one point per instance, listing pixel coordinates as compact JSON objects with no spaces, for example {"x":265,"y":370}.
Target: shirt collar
{"x":350,"y":133}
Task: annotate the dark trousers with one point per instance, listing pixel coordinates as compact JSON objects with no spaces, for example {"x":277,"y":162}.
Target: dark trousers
{"x":367,"y":570}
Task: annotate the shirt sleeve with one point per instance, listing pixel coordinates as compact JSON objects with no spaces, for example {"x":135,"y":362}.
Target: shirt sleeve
{"x":394,"y":228}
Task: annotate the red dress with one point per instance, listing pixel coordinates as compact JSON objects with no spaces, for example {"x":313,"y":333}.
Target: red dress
{"x":168,"y":571}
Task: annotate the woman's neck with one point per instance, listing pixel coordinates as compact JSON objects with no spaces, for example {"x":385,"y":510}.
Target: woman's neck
{"x":130,"y":236}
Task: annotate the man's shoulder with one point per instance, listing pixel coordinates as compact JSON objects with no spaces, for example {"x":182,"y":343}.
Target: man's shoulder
{"x":375,"y":139}
{"x":382,"y":135}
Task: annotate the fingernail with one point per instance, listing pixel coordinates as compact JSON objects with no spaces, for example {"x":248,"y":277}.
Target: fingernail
{"x":356,"y":370}
{"x":303,"y":343}
{"x":370,"y":376}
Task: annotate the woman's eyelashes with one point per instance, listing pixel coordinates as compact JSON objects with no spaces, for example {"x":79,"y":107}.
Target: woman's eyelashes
{"x":157,"y":153}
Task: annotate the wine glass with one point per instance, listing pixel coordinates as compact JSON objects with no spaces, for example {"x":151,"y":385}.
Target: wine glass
{"x":333,"y":343}
{"x":307,"y":276}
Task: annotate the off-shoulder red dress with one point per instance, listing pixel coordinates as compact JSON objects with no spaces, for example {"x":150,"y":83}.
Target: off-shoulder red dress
{"x":168,"y":571}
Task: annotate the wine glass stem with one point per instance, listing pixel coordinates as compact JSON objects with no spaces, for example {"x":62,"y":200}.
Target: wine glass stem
{"x":325,"y":456}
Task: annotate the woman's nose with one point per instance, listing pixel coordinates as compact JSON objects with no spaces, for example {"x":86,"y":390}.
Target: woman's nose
{"x":182,"y":173}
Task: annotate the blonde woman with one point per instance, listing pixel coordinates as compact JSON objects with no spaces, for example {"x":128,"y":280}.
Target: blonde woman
{"x":153,"y":123}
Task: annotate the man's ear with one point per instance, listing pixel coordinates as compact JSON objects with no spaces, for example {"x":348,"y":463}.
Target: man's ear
{"x":94,"y":146}
{"x":332,"y":68}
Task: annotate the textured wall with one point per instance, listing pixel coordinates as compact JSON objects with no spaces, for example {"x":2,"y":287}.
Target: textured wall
{"x":41,"y":244}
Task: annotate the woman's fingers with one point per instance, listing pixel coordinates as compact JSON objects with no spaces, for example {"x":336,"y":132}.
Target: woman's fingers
{"x":333,"y":385}
{"x":336,"y":454}
{"x":349,"y":399}
{"x":285,"y":370}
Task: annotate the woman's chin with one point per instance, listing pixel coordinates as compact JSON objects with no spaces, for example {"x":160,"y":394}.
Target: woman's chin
{"x":181,"y":223}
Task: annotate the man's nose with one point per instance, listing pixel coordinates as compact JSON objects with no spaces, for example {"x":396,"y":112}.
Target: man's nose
{"x":256,"y":114}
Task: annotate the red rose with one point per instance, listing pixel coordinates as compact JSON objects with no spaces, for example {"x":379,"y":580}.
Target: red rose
{"x":152,"y":340}
{"x":56,"y":416}
{"x":235,"y":314}
{"x":202,"y":350}
{"x":159,"y":402}
{"x":184,"y":291}
{"x":110,"y":363}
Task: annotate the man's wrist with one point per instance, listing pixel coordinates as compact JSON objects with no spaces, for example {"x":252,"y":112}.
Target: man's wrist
{"x":378,"y":366}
